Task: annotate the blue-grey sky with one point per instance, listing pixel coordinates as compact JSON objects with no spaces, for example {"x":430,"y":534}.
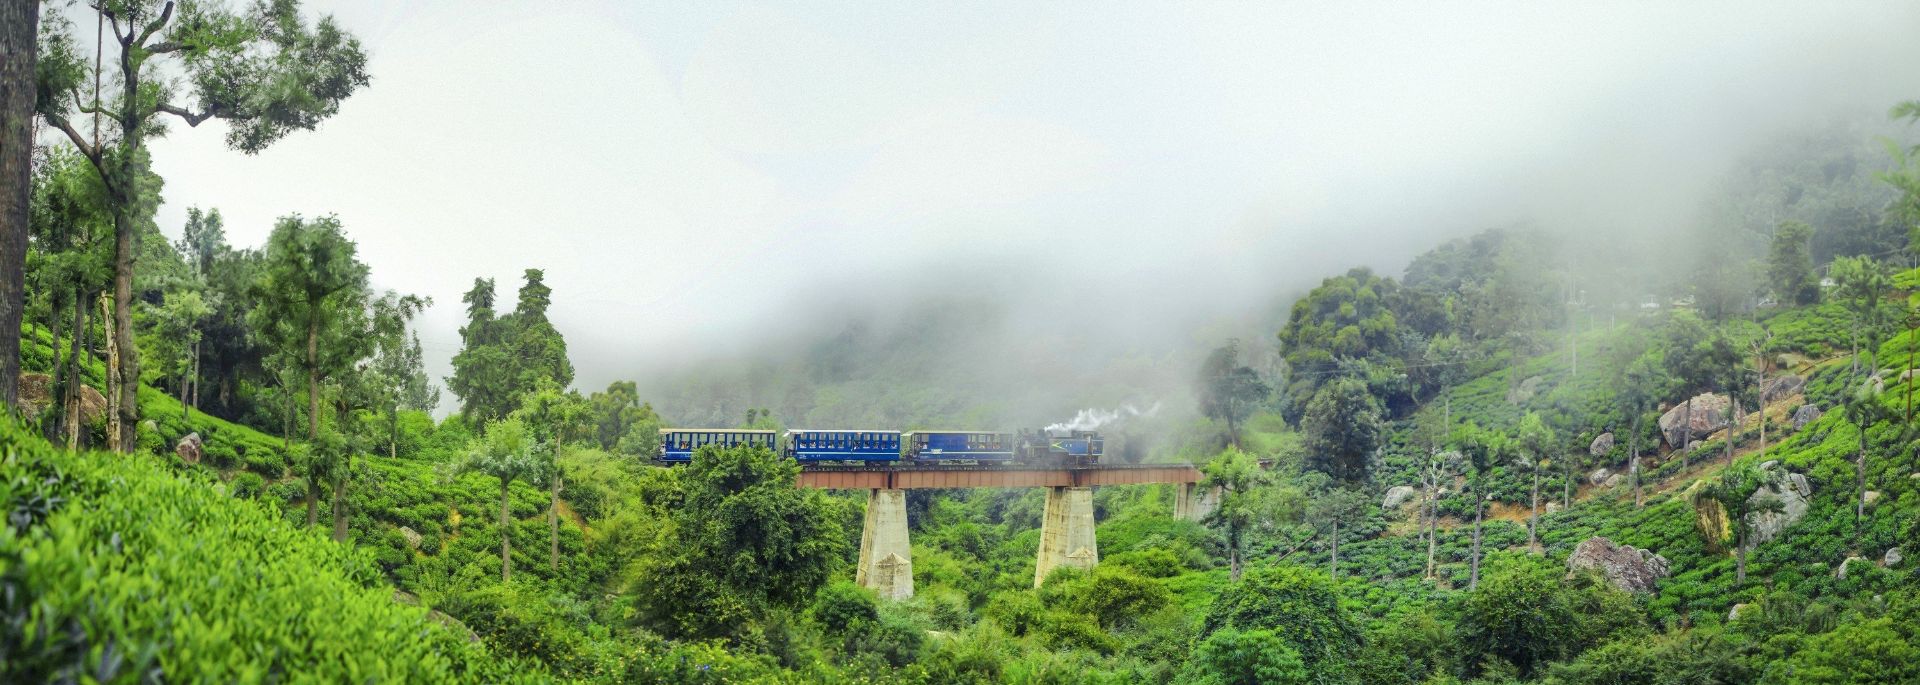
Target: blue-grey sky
{"x":697,"y":178}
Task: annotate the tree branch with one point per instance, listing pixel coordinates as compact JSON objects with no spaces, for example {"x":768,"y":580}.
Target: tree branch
{"x":79,"y":141}
{"x":166,"y":13}
{"x":189,"y":117}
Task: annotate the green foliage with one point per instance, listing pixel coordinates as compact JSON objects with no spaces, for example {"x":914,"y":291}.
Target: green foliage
{"x":502,"y":358}
{"x":1230,"y":391}
{"x":1525,"y":615}
{"x":742,"y":541}
{"x":1300,"y":606}
{"x":1343,"y":428}
{"x":116,"y":570}
{"x":1790,"y":266}
{"x":1255,"y":657}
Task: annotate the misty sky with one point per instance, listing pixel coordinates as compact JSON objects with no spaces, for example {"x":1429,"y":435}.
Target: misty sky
{"x":698,"y":178}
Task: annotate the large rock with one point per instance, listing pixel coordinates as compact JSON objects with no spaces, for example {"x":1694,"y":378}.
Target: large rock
{"x":1614,"y":481}
{"x":1806,"y":414}
{"x":190,"y":448}
{"x":1709,"y":414}
{"x":1525,"y":391}
{"x":36,"y":392}
{"x":1598,"y":476}
{"x":1844,"y":563}
{"x":1398,"y":495}
{"x":1601,"y":445}
{"x":1781,"y":386}
{"x":1792,"y":490}
{"x":1892,"y":558}
{"x":1625,"y":567}
{"x":412,"y":537}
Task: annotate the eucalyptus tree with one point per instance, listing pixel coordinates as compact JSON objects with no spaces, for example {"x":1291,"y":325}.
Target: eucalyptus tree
{"x":1861,"y":283}
{"x":312,"y":297}
{"x":558,"y":418}
{"x":397,"y":377}
{"x":1243,"y":499}
{"x":19,"y":55}
{"x":1531,"y":451}
{"x":1640,"y":388}
{"x":1863,"y":410}
{"x":1738,"y":493}
{"x":70,"y":265}
{"x":507,"y":451}
{"x":1332,"y":508}
{"x":264,"y":70}
{"x":1484,"y":450}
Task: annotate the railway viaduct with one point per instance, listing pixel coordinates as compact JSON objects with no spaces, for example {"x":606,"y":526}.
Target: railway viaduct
{"x":1066,"y":528}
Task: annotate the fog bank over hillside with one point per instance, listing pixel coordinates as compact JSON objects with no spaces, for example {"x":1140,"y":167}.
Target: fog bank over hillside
{"x":1108,"y":190}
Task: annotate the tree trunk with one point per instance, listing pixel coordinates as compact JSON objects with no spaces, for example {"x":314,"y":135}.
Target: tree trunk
{"x":1333,"y":567}
{"x":1686,"y":434}
{"x":1733,"y":424}
{"x":1633,"y":457}
{"x":1860,"y":485}
{"x":1533,"y":520}
{"x":1566,"y":485}
{"x":19,"y":51}
{"x":340,"y":506}
{"x":313,"y":501}
{"x":506,"y":535}
{"x":196,"y":374}
{"x":1740,"y":562}
{"x":125,"y":353}
{"x":1479,"y":510}
{"x":58,"y":396}
{"x":313,"y":378}
{"x":74,"y":372}
{"x":115,"y":435}
{"x":553,"y":526}
{"x":1433,"y":525}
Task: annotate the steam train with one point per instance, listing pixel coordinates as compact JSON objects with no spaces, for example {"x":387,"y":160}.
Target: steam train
{"x":867,"y":447}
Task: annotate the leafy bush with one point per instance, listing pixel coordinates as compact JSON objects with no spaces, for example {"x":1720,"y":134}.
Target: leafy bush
{"x":115,"y":569}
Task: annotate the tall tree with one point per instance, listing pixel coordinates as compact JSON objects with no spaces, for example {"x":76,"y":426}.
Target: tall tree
{"x":742,"y":541}
{"x":1863,"y":410}
{"x":481,"y":369}
{"x":1790,"y":265}
{"x":1484,"y":450}
{"x":1343,"y":428}
{"x":312,"y":297}
{"x":508,"y":451}
{"x":1738,"y":493}
{"x":537,"y":348}
{"x":1335,"y":508}
{"x":69,"y":263}
{"x":1243,"y":502}
{"x":397,"y":376}
{"x":1639,"y":391}
{"x":1229,"y":390}
{"x":1533,"y":449}
{"x":622,"y":423}
{"x":19,"y":87}
{"x":1862,"y":284}
{"x":264,"y":71}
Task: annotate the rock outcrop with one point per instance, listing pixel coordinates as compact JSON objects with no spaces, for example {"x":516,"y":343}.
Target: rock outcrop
{"x":1398,"y":495}
{"x":1598,"y":476}
{"x":1892,"y":558}
{"x":1849,"y":561}
{"x":1626,"y":567}
{"x":412,"y":537}
{"x":1806,"y":414}
{"x":1793,"y":491}
{"x":190,"y":448}
{"x":36,"y":392}
{"x":1601,"y":445}
{"x":1709,"y":414}
{"x":1614,"y":481}
{"x":1781,"y":386}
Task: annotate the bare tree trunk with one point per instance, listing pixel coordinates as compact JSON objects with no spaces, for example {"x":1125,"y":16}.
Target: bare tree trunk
{"x":1333,"y":567}
{"x":1479,"y":510}
{"x":19,"y":53}
{"x":128,"y":358}
{"x":58,"y":396}
{"x":313,"y":501}
{"x":1686,"y":434}
{"x":77,"y":380}
{"x":506,"y":535}
{"x":313,"y":381}
{"x":1740,"y":562}
{"x":1733,"y":424}
{"x":1233,"y":555}
{"x":553,"y":526}
{"x":1533,"y":521}
{"x":1633,"y":457}
{"x":340,"y":506}
{"x":1860,"y":485}
{"x":116,"y":440}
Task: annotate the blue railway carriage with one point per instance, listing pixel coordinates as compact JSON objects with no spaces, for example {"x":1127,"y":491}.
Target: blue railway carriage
{"x":677,"y":445}
{"x":813,"y":446}
{"x":959,"y":447}
{"x":1068,"y":448}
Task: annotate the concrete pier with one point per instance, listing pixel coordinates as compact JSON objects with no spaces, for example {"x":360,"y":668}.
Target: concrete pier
{"x":1193,"y":502}
{"x":1066,"y":532}
{"x":886,"y":557}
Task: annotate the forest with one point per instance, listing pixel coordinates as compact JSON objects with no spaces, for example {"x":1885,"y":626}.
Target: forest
{"x":1529,"y":454}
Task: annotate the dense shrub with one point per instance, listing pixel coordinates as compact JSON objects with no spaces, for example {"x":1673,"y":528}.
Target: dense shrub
{"x":114,"y":568}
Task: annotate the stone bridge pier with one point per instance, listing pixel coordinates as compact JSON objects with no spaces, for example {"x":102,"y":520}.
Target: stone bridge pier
{"x":1066,"y":532}
{"x":1193,"y":502}
{"x":886,"y":558}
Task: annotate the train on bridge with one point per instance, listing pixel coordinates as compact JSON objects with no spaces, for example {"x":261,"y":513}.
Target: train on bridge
{"x":1050,"y":448}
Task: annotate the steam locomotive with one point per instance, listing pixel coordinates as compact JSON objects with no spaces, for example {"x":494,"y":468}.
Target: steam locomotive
{"x":843,"y":447}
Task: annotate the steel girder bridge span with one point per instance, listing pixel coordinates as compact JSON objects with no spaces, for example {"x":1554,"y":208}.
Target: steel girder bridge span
{"x":1066,"y":528}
